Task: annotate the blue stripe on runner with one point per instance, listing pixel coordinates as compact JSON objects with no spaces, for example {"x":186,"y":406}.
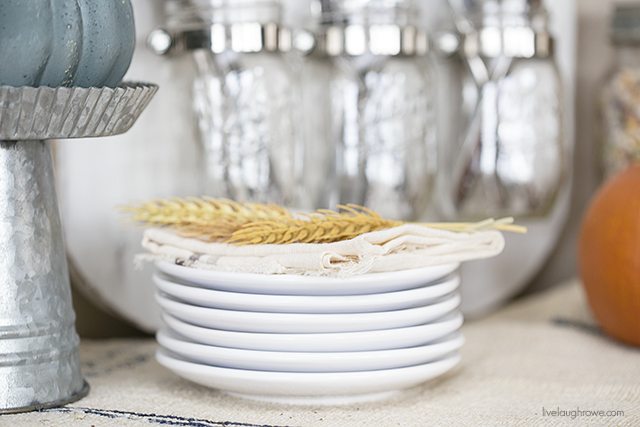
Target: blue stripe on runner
{"x":171,"y":420}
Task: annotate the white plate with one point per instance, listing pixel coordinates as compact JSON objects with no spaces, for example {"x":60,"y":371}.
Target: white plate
{"x":295,"y":387}
{"x":348,"y":341}
{"x":307,"y":304}
{"x":309,"y":362}
{"x":289,"y":284}
{"x":291,"y":323}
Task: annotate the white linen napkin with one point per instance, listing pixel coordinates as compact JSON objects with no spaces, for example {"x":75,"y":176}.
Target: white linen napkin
{"x":399,"y":248}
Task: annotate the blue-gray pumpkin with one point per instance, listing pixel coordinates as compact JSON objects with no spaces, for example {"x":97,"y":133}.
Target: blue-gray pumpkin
{"x":86,"y":43}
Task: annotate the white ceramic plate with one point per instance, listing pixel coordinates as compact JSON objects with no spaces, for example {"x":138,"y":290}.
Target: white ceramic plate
{"x":309,"y":362}
{"x":289,"y":284}
{"x":295,"y":387}
{"x":307,"y":304}
{"x":291,"y":323}
{"x":348,"y":341}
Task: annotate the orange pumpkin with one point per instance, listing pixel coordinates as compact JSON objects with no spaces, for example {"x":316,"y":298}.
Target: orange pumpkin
{"x":609,"y":256}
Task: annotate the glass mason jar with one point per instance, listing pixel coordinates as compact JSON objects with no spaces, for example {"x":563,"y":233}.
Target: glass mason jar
{"x":621,"y":94}
{"x":244,"y":94}
{"x":510,"y":158}
{"x":379,"y":124}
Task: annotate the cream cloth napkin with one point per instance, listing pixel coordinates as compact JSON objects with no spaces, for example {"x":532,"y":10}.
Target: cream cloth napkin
{"x":404,"y":247}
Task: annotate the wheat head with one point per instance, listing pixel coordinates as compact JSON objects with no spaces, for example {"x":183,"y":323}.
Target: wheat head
{"x":221,"y":220}
{"x":323,"y":226}
{"x":203,"y":212}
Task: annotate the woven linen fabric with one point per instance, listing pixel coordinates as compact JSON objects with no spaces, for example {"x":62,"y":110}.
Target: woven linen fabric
{"x":399,"y":248}
{"x":540,"y":354}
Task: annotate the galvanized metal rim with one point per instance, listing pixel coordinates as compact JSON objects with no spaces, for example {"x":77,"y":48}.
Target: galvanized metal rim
{"x":38,"y":357}
{"x":71,"y":112}
{"x":41,"y":406}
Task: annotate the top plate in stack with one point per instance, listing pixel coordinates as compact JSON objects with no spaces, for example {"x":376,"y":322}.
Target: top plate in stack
{"x":291,"y":284}
{"x":212,"y":298}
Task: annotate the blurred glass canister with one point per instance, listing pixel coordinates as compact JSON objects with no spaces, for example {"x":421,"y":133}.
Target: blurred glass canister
{"x":621,"y":94}
{"x":510,"y":157}
{"x":376,"y":139}
{"x":244,"y":94}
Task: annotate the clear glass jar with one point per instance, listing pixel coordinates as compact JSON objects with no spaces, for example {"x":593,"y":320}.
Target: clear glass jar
{"x":318,"y":187}
{"x":510,"y":159}
{"x":384,"y":126}
{"x":381,"y":124}
{"x":244,"y":96}
{"x":621,"y":94}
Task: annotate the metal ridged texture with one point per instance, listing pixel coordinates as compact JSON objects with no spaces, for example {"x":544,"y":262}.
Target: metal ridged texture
{"x":29,"y":113}
{"x":38,"y":343}
{"x":39,"y":360}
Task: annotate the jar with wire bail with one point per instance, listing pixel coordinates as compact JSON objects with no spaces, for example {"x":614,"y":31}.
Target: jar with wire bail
{"x":244,"y":95}
{"x":379,"y":125}
{"x":510,"y":158}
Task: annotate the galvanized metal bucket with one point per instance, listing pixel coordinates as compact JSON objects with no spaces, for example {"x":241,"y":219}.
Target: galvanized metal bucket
{"x":39,"y":360}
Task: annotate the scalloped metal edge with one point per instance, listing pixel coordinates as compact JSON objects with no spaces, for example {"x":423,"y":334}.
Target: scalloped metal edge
{"x":30,"y":113}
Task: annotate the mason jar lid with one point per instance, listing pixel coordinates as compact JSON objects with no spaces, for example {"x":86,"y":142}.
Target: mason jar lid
{"x":625,"y":25}
{"x":242,"y":26}
{"x":194,"y":14}
{"x":507,"y":13}
{"x":360,"y":27}
{"x":366,"y":12}
{"x":507,"y":28}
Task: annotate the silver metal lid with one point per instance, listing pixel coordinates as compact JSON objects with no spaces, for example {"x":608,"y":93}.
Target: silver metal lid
{"x":376,"y":27}
{"x":366,"y":12}
{"x":242,"y":26}
{"x":505,"y":28}
{"x":510,"y":42}
{"x":625,"y":25}
{"x":197,"y":14}
{"x":248,"y":37}
{"x":355,"y":40}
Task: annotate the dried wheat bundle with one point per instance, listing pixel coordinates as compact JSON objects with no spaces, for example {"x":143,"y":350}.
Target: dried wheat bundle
{"x":220,"y":220}
{"x":323,"y":226}
{"x":203,"y":212}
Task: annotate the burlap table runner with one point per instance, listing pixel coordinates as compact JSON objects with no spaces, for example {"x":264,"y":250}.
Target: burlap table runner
{"x":522,"y":366}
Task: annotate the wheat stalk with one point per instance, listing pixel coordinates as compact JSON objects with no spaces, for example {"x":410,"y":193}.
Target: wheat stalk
{"x":502,"y":224}
{"x":322,"y":226}
{"x":189,"y":212}
{"x":220,"y":220}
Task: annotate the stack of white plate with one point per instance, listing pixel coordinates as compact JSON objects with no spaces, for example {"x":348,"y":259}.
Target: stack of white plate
{"x":303,"y":339}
